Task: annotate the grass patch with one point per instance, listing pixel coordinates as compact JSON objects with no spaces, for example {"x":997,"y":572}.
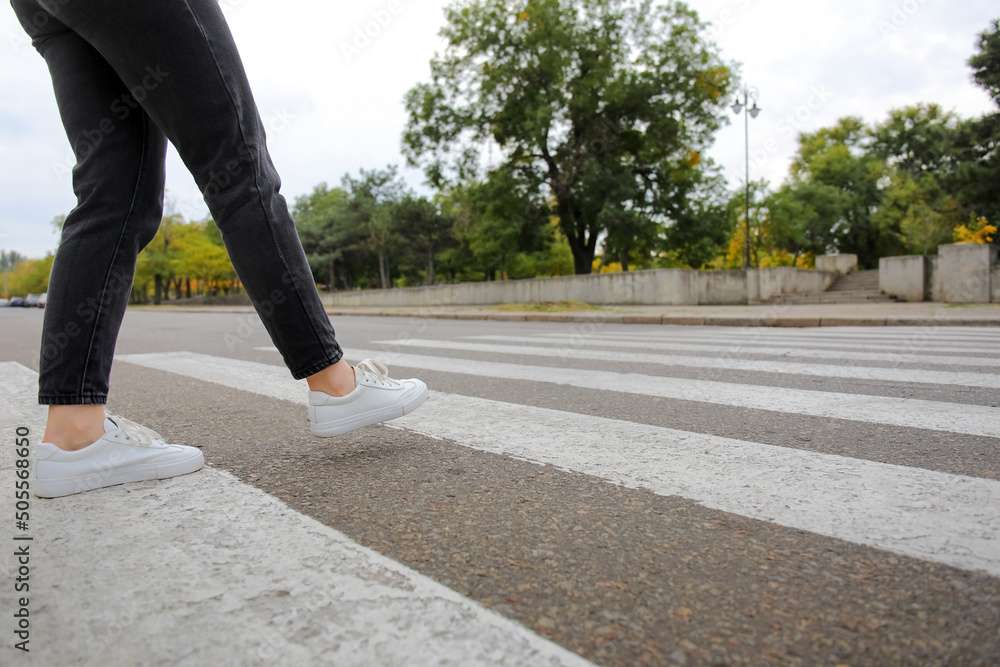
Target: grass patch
{"x":972,"y":305}
{"x":548,"y":307}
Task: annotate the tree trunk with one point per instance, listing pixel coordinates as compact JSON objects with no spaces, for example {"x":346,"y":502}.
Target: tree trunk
{"x":430,"y":267}
{"x":187,"y":287}
{"x":331,"y":278}
{"x":383,"y":269}
{"x":583,"y":253}
{"x":624,"y":260}
{"x":157,"y":289}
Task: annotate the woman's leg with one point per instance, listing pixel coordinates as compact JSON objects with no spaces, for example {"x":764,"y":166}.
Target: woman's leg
{"x":180,"y":65}
{"x":118,"y":180}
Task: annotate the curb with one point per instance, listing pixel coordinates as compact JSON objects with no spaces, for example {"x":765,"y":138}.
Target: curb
{"x":672,"y":320}
{"x":691,"y":320}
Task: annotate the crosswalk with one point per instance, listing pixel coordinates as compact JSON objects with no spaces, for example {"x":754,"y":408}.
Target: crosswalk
{"x":138,"y":559}
{"x":885,"y":441}
{"x":942,"y":517}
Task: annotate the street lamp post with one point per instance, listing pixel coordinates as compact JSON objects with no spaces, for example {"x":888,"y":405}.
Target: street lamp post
{"x":3,"y":257}
{"x":749,"y":95}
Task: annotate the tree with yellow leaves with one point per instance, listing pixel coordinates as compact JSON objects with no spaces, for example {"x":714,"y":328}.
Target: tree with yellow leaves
{"x":978,"y":230}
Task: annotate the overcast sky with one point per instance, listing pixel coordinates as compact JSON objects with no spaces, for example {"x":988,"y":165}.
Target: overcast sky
{"x":331,"y":112}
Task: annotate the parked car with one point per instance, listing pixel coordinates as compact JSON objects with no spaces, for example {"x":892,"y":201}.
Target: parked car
{"x":31,"y":301}
{"x":4,"y":303}
{"x":16,"y":301}
{"x":42,"y":298}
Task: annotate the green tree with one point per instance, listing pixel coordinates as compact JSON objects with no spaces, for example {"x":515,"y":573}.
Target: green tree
{"x":8,"y":260}
{"x":327,"y":232}
{"x":597,"y":104}
{"x":698,"y":230}
{"x":182,"y":252}
{"x":986,"y":64}
{"x":977,"y":171}
{"x":839,"y":157}
{"x":202,"y":258}
{"x":30,"y":276}
{"x":425,"y":228}
{"x":978,"y":168}
{"x":157,"y":260}
{"x":373,"y":196}
{"x":801,"y":216}
{"x":916,"y":140}
{"x":499,"y":219}
{"x":924,"y":214}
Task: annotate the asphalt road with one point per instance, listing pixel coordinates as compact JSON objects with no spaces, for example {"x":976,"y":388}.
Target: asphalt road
{"x":636,"y":494}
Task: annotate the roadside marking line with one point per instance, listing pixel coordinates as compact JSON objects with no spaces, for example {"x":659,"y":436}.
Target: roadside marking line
{"x":723,"y":350}
{"x":315,"y":593}
{"x":962,"y":379}
{"x":935,"y":516}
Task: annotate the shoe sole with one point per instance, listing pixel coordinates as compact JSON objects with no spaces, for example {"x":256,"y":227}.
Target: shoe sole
{"x":341,"y":426}
{"x":67,"y":486}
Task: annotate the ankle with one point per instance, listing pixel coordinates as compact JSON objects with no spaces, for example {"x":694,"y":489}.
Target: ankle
{"x":73,"y":427}
{"x":336,"y":380}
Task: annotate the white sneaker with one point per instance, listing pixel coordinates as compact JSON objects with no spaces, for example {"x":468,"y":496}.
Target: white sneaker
{"x":127,"y":452}
{"x":376,"y":398}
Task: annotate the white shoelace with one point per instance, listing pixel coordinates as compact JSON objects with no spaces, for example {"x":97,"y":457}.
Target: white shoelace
{"x":377,"y":371}
{"x":137,"y":433}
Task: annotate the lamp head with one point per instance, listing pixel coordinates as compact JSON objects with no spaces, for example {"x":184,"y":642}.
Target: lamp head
{"x":754,"y":111}
{"x":737,"y":107}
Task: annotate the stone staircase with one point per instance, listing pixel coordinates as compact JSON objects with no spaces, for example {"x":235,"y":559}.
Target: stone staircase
{"x":856,"y":287}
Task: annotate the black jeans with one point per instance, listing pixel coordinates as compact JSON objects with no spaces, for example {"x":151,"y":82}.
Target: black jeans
{"x":128,"y":76}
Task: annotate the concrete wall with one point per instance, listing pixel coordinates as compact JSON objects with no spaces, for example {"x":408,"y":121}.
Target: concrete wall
{"x":719,"y":288}
{"x":965,"y":271}
{"x":959,"y":273}
{"x":962,"y":273}
{"x":839,"y":264}
{"x":933,"y":286}
{"x":673,"y":287}
{"x":903,"y":277}
{"x":779,"y":280}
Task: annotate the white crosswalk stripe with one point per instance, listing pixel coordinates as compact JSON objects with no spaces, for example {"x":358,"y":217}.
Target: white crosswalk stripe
{"x":964,"y":379}
{"x":730,"y":350}
{"x":755,"y":337}
{"x":961,"y":335}
{"x":932,"y":515}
